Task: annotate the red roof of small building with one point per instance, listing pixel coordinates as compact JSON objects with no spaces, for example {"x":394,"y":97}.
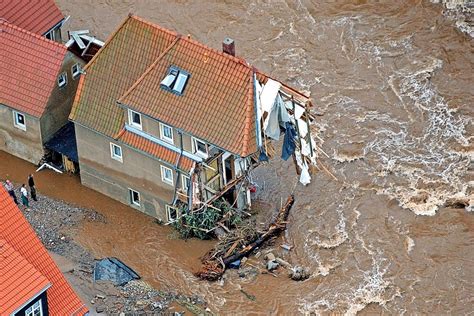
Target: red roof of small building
{"x":26,"y":266}
{"x":37,"y":16}
{"x":29,"y":68}
{"x":15,"y":270}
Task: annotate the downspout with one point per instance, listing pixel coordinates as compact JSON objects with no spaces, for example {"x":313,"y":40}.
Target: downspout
{"x":176,"y":168}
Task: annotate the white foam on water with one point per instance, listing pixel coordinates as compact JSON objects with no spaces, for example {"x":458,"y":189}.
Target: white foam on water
{"x":409,"y":244}
{"x":426,"y":158}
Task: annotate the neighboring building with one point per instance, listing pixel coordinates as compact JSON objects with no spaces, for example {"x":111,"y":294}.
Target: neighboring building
{"x":38,"y":81}
{"x":164,"y":121}
{"x":31,"y":284}
{"x":41,"y":17}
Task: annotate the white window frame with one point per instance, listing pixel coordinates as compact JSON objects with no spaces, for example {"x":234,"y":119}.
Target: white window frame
{"x":196,"y":150}
{"x":183,"y":182}
{"x":168,"y":213}
{"x":130,"y":195}
{"x":163,"y":136}
{"x":77,"y":73}
{"x":113,"y":155}
{"x":37,"y":306}
{"x":163,"y":175}
{"x":16,"y":122}
{"x":131,"y":122}
{"x":51,"y":35}
{"x":62,"y":75}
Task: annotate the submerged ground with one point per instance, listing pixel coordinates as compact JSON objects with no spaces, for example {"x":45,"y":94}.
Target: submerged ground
{"x":393,"y":82}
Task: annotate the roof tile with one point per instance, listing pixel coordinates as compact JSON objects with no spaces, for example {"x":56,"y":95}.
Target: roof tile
{"x":35,"y":16}
{"x":29,"y":66}
{"x":26,"y":266}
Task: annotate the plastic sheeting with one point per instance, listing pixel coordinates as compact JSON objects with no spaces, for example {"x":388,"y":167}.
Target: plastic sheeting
{"x":268,"y":95}
{"x":112,"y":269}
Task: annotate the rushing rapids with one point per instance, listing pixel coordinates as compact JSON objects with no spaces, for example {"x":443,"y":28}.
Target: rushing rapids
{"x":393,"y":85}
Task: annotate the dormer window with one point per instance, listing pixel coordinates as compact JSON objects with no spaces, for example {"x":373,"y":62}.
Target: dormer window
{"x":175,"y":80}
{"x":135,"y":119}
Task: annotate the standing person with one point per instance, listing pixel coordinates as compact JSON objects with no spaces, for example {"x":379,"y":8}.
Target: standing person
{"x":31,"y":183}
{"x":11,"y":190}
{"x":24,"y":196}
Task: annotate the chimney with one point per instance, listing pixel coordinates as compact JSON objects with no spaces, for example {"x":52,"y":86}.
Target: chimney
{"x":228,"y":46}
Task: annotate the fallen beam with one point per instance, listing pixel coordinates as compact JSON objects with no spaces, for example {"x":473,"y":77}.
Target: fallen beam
{"x":214,"y":268}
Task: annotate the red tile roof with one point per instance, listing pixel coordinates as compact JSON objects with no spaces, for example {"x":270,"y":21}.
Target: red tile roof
{"x":19,"y":243}
{"x":15,"y":270}
{"x":29,"y":67}
{"x":155,"y":150}
{"x":217,"y":105}
{"x":37,"y":16}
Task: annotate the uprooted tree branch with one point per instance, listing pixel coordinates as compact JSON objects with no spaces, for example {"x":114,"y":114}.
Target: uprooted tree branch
{"x":241,"y":243}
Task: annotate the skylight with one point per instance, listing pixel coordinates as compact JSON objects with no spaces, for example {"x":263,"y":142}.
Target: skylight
{"x":175,"y":80}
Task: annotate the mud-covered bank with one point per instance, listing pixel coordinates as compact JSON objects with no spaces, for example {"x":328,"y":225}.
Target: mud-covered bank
{"x":56,"y":223}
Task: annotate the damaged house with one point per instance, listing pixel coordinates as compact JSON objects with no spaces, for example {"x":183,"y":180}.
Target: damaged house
{"x":166,"y":124}
{"x":39,"y":17}
{"x":38,"y":81}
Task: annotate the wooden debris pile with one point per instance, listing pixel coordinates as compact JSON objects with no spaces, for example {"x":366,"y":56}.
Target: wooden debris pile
{"x":240,"y":244}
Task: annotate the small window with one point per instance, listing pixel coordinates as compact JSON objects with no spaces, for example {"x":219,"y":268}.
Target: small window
{"x":76,"y":71}
{"x":185,"y":182}
{"x":50,"y":35}
{"x":167,"y":175}
{"x":135,"y":119}
{"x":175,"y":80}
{"x":171,"y":213}
{"x":116,"y":152}
{"x":35,"y":310}
{"x":62,"y":80}
{"x":199,"y":148}
{"x":134,"y":197}
{"x":166,"y":133}
{"x":19,"y":120}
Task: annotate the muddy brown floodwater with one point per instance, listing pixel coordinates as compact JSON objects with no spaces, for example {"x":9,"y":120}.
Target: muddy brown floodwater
{"x":394,"y":82}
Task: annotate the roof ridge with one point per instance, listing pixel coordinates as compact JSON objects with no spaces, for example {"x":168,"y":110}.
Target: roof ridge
{"x":17,"y":28}
{"x":133,"y":16}
{"x":195,"y":42}
{"x":149,"y":69}
{"x":107,"y":42}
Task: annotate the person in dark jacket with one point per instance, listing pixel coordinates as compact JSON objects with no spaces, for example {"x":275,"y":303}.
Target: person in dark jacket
{"x":31,"y":184}
{"x":11,"y":190}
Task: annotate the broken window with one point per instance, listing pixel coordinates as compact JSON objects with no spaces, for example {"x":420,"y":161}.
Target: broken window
{"x":134,"y":197}
{"x":166,"y":133}
{"x":167,"y":175}
{"x":116,"y":152}
{"x":76,"y":71}
{"x":19,"y":120}
{"x":171,"y":213}
{"x":199,"y":148}
{"x":175,"y":80}
{"x":135,"y":119}
{"x":62,"y":80}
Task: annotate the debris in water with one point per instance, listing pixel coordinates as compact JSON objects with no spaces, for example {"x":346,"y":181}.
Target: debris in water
{"x":112,"y":269}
